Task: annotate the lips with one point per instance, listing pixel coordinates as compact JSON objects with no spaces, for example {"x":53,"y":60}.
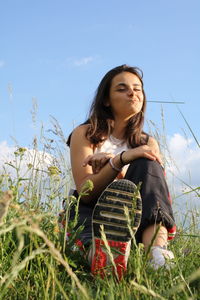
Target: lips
{"x":133,"y":100}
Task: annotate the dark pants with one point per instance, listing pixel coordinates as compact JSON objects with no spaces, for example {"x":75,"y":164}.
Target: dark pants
{"x":156,"y":202}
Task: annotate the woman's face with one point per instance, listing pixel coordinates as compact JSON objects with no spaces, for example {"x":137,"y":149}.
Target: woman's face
{"x":126,"y":95}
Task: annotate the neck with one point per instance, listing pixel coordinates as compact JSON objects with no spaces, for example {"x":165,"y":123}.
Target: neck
{"x":119,"y":128}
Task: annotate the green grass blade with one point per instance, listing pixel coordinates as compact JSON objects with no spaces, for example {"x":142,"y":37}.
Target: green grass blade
{"x":189,"y":127}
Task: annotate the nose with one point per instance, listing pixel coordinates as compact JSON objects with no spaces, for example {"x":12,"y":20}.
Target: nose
{"x":130,"y":91}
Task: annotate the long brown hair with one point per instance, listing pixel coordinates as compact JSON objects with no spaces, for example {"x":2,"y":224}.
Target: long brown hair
{"x":100,"y":115}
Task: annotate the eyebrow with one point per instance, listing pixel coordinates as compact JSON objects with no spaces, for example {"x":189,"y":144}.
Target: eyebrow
{"x":124,"y":84}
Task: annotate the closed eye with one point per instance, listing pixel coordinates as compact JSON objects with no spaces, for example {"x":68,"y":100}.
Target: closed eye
{"x":121,"y":89}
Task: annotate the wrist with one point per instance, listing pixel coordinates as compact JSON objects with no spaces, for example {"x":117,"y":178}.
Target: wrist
{"x":114,"y":166}
{"x":119,"y":161}
{"x":123,"y":163}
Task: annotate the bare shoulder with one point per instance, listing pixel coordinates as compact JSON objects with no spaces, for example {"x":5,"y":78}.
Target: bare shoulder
{"x":79,"y":133}
{"x":82,"y":129}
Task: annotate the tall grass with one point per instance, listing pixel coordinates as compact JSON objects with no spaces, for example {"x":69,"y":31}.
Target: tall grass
{"x":36,"y":261}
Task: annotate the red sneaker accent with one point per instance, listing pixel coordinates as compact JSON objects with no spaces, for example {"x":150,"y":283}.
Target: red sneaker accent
{"x":101,"y":260}
{"x":171,"y":233}
{"x":121,"y":260}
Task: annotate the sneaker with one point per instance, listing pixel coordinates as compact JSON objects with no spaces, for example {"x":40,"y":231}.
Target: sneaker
{"x":161,"y":257}
{"x":109,"y":212}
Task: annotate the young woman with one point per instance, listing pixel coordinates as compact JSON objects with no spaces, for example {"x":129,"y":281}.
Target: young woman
{"x":112,"y":150}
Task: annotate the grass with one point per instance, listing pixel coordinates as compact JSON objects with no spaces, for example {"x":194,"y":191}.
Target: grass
{"x":36,"y":262}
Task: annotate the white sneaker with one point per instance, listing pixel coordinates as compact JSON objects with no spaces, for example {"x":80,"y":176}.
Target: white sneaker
{"x":161,"y":257}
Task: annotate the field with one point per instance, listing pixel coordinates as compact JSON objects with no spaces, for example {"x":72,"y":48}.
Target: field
{"x":36,"y":262}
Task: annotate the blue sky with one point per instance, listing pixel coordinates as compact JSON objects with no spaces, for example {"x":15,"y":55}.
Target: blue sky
{"x":57,"y":52}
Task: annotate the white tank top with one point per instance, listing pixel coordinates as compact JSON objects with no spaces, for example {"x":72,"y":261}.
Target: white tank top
{"x":114,"y":146}
{"x":111,"y":145}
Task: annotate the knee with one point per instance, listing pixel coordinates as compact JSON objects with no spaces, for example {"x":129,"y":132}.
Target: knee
{"x":142,"y":161}
{"x":147,"y":165}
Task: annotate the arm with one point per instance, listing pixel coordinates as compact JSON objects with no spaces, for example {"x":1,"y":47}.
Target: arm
{"x":82,"y":160}
{"x":80,"y":150}
{"x":150,"y":151}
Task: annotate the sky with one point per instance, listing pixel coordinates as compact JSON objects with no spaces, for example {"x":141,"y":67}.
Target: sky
{"x":53,"y":55}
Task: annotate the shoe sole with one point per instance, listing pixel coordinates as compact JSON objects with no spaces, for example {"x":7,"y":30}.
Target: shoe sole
{"x":109,"y":212}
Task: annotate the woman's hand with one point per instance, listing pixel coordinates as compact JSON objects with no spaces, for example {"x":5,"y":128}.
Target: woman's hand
{"x":146,"y":151}
{"x":149,"y":152}
{"x":97,"y":161}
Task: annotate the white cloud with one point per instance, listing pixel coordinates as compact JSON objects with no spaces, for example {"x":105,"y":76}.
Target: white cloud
{"x":40,"y":160}
{"x":2,"y":63}
{"x":6,"y":152}
{"x":35,"y":170}
{"x":80,"y":62}
{"x":39,"y":171}
{"x":183,"y":167}
{"x":83,"y":61}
